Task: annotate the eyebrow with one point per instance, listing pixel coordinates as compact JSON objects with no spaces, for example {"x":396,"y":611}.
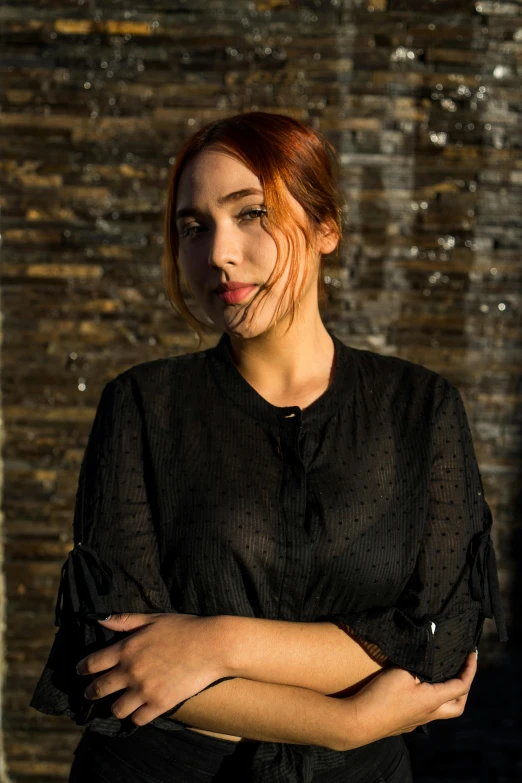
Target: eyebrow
{"x":235,"y":196}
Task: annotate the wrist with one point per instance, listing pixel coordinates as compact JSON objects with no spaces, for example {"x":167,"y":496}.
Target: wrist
{"x":228,"y":645}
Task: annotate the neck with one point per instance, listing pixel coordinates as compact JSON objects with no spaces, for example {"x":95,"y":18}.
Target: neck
{"x":281,"y":365}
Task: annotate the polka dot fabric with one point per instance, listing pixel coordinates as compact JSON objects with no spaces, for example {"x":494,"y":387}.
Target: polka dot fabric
{"x":197,"y":495}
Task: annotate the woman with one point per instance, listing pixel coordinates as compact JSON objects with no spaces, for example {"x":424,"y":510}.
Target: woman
{"x":291,"y":534}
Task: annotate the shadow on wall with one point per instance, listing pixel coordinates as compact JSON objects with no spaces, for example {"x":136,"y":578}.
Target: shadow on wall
{"x":484,"y":745}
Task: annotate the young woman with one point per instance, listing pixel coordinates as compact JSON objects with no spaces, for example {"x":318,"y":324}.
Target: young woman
{"x":290,"y":534}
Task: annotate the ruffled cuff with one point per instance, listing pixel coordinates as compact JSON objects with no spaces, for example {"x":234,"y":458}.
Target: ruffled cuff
{"x":85,"y":583}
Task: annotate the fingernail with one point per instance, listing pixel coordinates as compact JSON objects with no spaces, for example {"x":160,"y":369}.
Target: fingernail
{"x":476,"y":652}
{"x":99,"y":616}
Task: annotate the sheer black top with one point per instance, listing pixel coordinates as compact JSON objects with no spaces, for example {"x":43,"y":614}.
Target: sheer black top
{"x":197,"y":495}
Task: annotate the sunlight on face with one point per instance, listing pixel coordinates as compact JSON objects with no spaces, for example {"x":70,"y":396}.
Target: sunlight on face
{"x":225,"y":242}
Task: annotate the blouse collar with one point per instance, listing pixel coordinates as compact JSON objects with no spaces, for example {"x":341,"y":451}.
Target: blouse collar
{"x":237,"y":388}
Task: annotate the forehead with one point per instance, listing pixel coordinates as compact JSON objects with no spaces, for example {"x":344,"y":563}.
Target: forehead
{"x":215,"y":177}
{"x":217,"y":171}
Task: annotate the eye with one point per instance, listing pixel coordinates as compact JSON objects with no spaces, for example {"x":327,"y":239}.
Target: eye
{"x":257,"y":212}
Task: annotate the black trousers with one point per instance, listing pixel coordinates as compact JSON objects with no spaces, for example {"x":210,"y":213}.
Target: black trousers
{"x":151,"y":755}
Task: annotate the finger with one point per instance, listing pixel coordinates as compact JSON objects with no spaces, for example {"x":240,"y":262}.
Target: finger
{"x":101,"y":660}
{"x":458,"y":702}
{"x":116,"y":680}
{"x":128,"y":621}
{"x":447,"y":713}
{"x":127,"y":704}
{"x":144,"y":715}
{"x":459,"y":699}
{"x":452,"y":709}
{"x":457,"y":686}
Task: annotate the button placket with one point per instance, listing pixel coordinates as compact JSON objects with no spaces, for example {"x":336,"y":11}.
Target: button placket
{"x":293,"y":501}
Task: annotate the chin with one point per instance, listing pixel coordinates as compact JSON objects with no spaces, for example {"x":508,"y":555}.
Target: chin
{"x":240,"y":326}
{"x":240,"y":330}
{"x":243,"y":321}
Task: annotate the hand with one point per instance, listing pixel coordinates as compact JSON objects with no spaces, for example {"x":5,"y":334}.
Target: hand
{"x":395,"y":702}
{"x":167,"y":659}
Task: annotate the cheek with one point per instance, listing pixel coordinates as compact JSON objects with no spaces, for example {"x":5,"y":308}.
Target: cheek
{"x":194,"y":270}
{"x":262,"y":252}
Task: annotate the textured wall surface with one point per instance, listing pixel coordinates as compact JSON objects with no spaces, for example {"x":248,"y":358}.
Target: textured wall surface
{"x":424,"y":109}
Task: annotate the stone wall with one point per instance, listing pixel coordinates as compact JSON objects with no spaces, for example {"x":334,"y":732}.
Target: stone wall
{"x":423,"y":107}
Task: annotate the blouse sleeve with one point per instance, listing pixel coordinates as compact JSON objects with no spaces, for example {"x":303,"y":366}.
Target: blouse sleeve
{"x":438,"y":618}
{"x":114,"y":566}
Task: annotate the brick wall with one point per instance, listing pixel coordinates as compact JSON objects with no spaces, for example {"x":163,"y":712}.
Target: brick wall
{"x":423,"y":107}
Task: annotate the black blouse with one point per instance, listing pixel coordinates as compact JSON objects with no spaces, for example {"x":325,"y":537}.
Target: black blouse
{"x":197,"y":495}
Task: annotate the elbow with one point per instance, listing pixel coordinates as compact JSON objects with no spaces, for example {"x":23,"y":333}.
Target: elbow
{"x":344,"y":743}
{"x":346,"y":733}
{"x":339,"y":745}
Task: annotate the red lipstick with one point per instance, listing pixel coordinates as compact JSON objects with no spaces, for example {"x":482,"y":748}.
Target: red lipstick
{"x":234,"y":292}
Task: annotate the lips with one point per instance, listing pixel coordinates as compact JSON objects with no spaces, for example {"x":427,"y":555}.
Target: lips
{"x":232,"y":285}
{"x":237,"y":295}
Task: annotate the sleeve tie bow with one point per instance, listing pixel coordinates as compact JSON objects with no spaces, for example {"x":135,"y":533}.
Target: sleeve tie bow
{"x":83,"y":578}
{"x":484,"y":585}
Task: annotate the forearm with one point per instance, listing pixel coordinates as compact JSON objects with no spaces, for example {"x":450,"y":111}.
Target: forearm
{"x":270,"y":713}
{"x":318,"y":656}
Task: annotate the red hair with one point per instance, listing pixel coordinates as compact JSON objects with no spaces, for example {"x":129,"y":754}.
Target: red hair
{"x":280,"y":151}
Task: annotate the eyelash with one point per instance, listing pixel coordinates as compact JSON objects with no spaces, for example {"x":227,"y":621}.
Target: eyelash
{"x":259,"y":213}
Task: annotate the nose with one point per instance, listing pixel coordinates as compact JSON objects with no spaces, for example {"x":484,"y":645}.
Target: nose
{"x":223,"y":249}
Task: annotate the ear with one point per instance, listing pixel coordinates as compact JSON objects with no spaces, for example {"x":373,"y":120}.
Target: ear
{"x":327,"y":238}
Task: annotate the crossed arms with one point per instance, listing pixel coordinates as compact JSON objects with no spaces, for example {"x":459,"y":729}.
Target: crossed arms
{"x":286,"y":675}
